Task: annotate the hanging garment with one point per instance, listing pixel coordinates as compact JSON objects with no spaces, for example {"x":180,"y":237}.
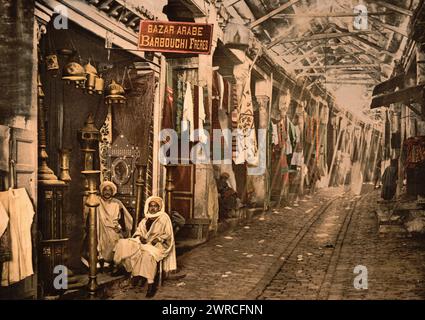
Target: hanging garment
{"x":179,"y":106}
{"x":201,"y":117}
{"x":187,"y":119}
{"x":297,"y":159}
{"x":235,"y":117}
{"x":389,"y":183}
{"x":275,"y":134}
{"x":168,"y":114}
{"x":226,"y":97}
{"x":21,"y":214}
{"x":292,"y":135}
{"x":221,"y":89}
{"x":246,"y":136}
{"x":287,"y":138}
{"x":414,"y":149}
{"x":4,"y":148}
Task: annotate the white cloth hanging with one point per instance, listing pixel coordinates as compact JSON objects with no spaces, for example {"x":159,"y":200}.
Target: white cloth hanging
{"x":188,"y":118}
{"x":247,"y":150}
{"x":288,"y":143}
{"x":275,"y":134}
{"x":202,"y":116}
{"x":297,"y":159}
{"x":221,"y":89}
{"x":21,"y":214}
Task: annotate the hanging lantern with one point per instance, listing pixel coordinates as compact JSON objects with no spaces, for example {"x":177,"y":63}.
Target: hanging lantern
{"x":91,"y":76}
{"x":74,"y":72}
{"x":52,"y":64}
{"x":98,"y":85}
{"x":114,"y":94}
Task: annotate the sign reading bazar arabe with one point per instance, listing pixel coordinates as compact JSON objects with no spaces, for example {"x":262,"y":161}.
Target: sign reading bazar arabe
{"x":179,"y":37}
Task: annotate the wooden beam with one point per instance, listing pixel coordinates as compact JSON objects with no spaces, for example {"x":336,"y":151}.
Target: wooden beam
{"x":360,"y":83}
{"x":389,"y":85}
{"x":350,"y":79}
{"x":356,"y":46}
{"x":389,"y":27}
{"x":338,"y":72}
{"x":364,"y":41}
{"x":393,"y":8}
{"x":327,"y":15}
{"x":305,"y":55}
{"x":340,"y":66}
{"x":230,"y":3}
{"x":314,"y":37}
{"x":294,"y":48}
{"x":408,"y":95}
{"x":273,"y":13}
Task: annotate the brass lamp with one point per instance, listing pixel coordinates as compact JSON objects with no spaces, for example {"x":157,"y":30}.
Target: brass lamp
{"x":91,"y":76}
{"x":98,"y":85}
{"x":52,"y":64}
{"x":74,"y":72}
{"x":114,"y":93}
{"x":89,"y":138}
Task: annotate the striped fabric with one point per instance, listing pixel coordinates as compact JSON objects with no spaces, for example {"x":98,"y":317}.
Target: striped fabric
{"x":235,"y":118}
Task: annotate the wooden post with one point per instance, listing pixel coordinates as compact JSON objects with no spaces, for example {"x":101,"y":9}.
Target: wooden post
{"x":140,"y":183}
{"x":169,"y":188}
{"x":92,"y":203}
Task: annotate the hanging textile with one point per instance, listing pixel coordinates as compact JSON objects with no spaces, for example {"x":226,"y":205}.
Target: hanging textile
{"x":201,"y":117}
{"x":187,"y":118}
{"x":292,"y":136}
{"x":414,"y":149}
{"x":140,"y":102}
{"x":221,"y":89}
{"x":21,"y":214}
{"x":168,"y":116}
{"x":246,"y":136}
{"x":206,"y":104}
{"x":275,"y":134}
{"x":215,"y":119}
{"x":226,"y":100}
{"x":235,"y":117}
{"x":179,"y":105}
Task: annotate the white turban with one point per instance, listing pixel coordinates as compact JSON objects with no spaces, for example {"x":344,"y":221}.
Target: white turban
{"x":105,"y":184}
{"x":159,"y":201}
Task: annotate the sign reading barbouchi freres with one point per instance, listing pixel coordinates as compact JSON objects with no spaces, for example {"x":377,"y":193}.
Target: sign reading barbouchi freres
{"x":178,"y":37}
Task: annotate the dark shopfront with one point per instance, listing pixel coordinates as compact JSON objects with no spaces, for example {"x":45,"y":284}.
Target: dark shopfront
{"x":123,"y":127}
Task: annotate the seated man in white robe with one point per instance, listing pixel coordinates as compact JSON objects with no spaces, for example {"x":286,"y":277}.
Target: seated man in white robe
{"x":114,"y":222}
{"x":152,"y":242}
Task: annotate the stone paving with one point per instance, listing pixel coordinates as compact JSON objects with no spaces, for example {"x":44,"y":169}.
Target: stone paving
{"x":275,"y":256}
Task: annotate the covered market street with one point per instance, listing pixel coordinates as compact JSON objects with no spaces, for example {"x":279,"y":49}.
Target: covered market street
{"x":212,"y":149}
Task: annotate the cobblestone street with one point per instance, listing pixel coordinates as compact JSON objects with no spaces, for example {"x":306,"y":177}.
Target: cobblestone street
{"x":304,"y":252}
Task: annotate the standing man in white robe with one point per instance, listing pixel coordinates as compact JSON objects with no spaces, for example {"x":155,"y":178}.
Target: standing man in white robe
{"x":152,"y":242}
{"x":114,"y":222}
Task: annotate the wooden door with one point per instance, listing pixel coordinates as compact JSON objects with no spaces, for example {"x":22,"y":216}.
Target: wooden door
{"x":183,"y":194}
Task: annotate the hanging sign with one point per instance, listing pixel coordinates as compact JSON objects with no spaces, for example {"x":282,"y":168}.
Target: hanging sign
{"x":178,"y":37}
